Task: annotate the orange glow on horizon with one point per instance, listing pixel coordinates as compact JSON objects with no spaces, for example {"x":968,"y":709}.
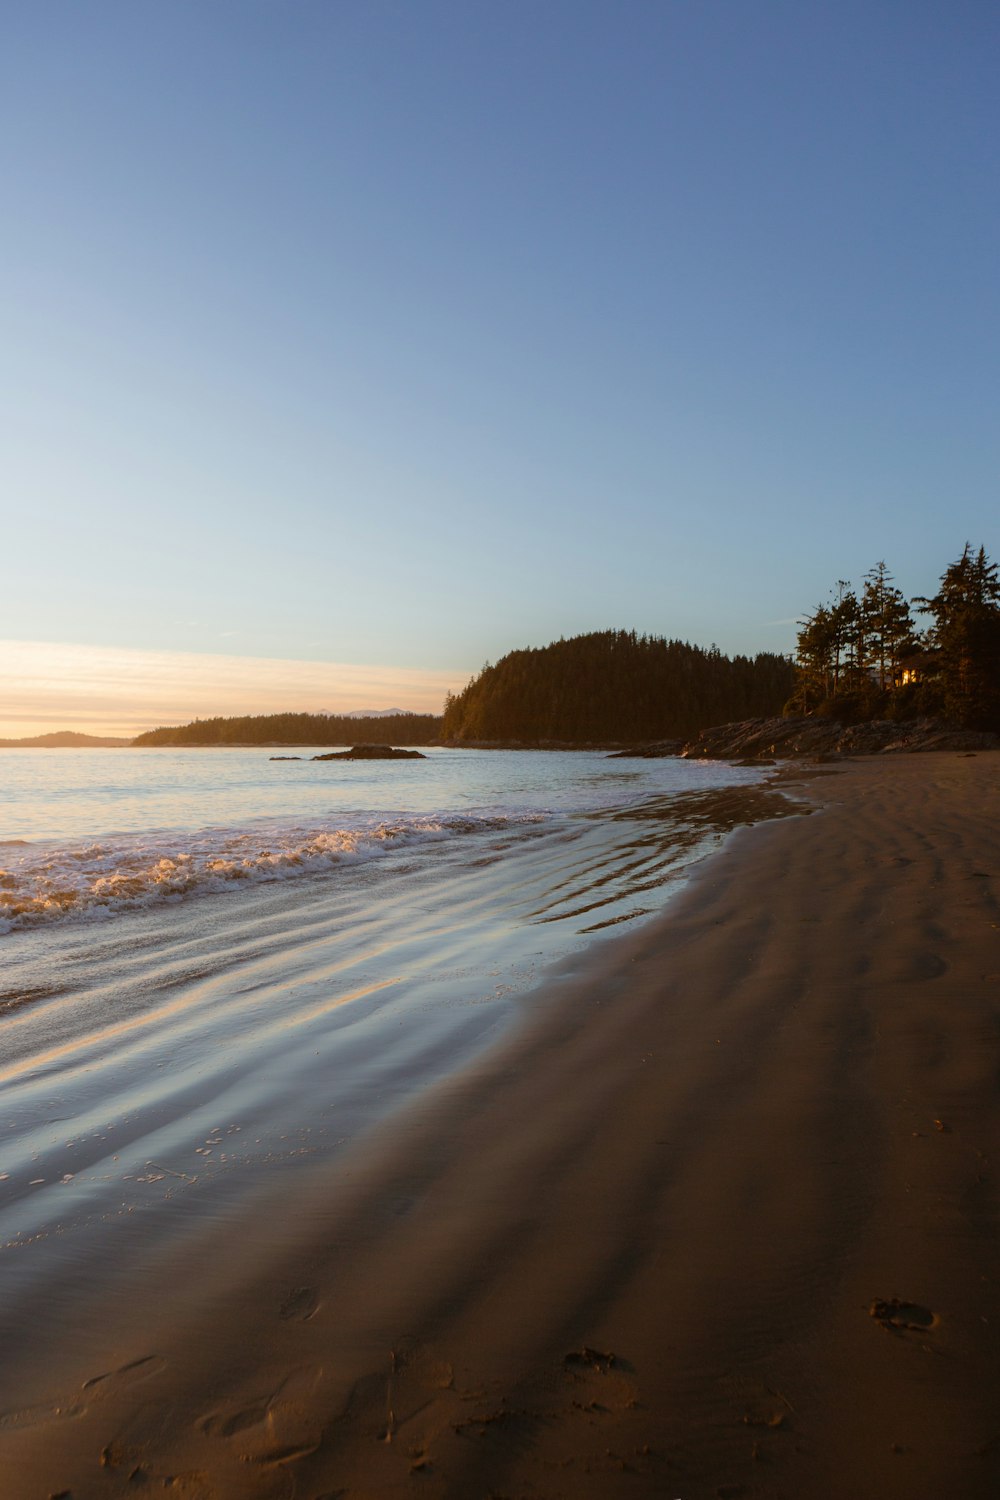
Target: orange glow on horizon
{"x":120,"y":691}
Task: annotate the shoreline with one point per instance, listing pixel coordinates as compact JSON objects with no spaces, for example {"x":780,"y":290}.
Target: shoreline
{"x":633,"y":1250}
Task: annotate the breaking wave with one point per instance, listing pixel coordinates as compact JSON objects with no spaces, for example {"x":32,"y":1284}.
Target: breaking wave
{"x":42,"y":883}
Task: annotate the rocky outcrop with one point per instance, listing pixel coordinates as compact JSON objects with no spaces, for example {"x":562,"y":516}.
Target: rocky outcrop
{"x":372,"y":752}
{"x":609,"y":745}
{"x":657,"y":751}
{"x":753,"y":739}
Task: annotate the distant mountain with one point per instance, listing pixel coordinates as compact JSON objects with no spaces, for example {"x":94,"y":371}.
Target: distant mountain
{"x":379,"y":713}
{"x":65,"y":739}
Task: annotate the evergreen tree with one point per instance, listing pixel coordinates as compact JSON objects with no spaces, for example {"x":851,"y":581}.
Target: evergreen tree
{"x":614,"y":686}
{"x":848,"y":636}
{"x":815,"y":657}
{"x":966,"y":635}
{"x":830,"y":650}
{"x":888,"y":626}
{"x":299,"y":729}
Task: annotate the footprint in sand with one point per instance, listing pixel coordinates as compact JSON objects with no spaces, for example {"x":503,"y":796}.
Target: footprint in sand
{"x":598,"y":1381}
{"x":117,"y":1380}
{"x":287,"y":1455}
{"x":301,"y":1304}
{"x":897,"y":1314}
{"x":297,"y":1386}
{"x":592,"y":1359}
{"x":920,"y":964}
{"x":227,"y":1424}
{"x":34,"y":1416}
{"x":92,"y":1390}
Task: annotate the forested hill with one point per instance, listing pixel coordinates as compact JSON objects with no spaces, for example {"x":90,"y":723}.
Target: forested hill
{"x":66,"y":739}
{"x":615,"y":685}
{"x":300,"y":729}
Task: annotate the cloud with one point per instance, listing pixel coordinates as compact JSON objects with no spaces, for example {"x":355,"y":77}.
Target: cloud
{"x":116,"y":690}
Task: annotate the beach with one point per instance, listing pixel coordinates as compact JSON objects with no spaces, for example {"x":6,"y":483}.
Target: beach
{"x":717,"y":1217}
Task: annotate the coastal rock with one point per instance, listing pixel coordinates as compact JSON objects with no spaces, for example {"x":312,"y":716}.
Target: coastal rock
{"x":826,"y":739}
{"x":463,"y":744}
{"x":372,"y":752}
{"x":657,"y":751}
{"x":284,"y":757}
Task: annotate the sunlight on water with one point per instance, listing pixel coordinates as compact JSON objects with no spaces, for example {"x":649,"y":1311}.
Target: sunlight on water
{"x":201,"y":1000}
{"x":94,"y":833}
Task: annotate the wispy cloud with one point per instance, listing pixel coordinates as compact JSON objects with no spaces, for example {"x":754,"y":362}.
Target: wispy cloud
{"x":119,"y":691}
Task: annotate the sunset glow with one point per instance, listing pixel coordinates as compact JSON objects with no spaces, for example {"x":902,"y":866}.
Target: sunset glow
{"x":109,"y":690}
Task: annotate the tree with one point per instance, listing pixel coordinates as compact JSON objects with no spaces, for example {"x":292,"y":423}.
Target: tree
{"x":849,"y":636}
{"x":614,"y":685}
{"x":888,"y":626}
{"x":815,"y":656}
{"x":828,"y":649}
{"x":966,"y":635}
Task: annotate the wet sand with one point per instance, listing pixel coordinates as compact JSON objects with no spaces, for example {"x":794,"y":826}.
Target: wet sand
{"x":721,"y":1220}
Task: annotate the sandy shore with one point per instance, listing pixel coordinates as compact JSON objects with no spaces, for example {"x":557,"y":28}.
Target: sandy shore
{"x":634,"y":1252}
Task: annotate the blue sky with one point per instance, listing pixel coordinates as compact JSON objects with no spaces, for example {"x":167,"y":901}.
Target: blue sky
{"x":404,"y":334}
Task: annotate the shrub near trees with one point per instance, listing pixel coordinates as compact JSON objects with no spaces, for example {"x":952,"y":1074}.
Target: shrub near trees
{"x":862,"y":656}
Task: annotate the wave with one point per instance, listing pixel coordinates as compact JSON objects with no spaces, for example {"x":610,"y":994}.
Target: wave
{"x":97,"y":880}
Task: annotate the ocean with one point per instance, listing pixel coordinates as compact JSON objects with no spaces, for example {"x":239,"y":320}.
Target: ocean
{"x":214,"y":964}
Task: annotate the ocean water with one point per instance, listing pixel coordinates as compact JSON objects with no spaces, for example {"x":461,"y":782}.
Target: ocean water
{"x":213,"y":964}
{"x":88,"y":835}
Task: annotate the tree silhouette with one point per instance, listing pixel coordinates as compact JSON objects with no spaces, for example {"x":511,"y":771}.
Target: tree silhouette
{"x":966,"y":636}
{"x":850,"y":652}
{"x":888,"y":624}
{"x":614,"y":685}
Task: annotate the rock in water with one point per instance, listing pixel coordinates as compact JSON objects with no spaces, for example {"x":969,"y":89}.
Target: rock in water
{"x":372,"y":752}
{"x":659,"y":750}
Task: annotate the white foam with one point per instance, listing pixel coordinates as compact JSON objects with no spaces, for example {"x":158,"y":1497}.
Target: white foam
{"x":43,"y":883}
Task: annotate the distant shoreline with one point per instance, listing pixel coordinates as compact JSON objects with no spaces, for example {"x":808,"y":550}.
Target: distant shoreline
{"x":67,"y":739}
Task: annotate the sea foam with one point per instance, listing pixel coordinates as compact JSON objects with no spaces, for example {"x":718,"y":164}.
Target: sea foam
{"x":43,"y":882}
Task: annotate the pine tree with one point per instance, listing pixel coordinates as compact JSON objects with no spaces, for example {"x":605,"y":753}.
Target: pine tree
{"x":966,"y":636}
{"x":815,"y":658}
{"x":830,"y":648}
{"x":888,"y":625}
{"x":848,"y":636}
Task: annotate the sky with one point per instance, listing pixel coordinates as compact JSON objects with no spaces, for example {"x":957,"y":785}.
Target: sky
{"x":347,"y":346}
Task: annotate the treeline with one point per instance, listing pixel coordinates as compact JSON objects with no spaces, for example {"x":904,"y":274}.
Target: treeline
{"x":614,"y":685}
{"x":863,"y":656}
{"x":300,"y":729}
